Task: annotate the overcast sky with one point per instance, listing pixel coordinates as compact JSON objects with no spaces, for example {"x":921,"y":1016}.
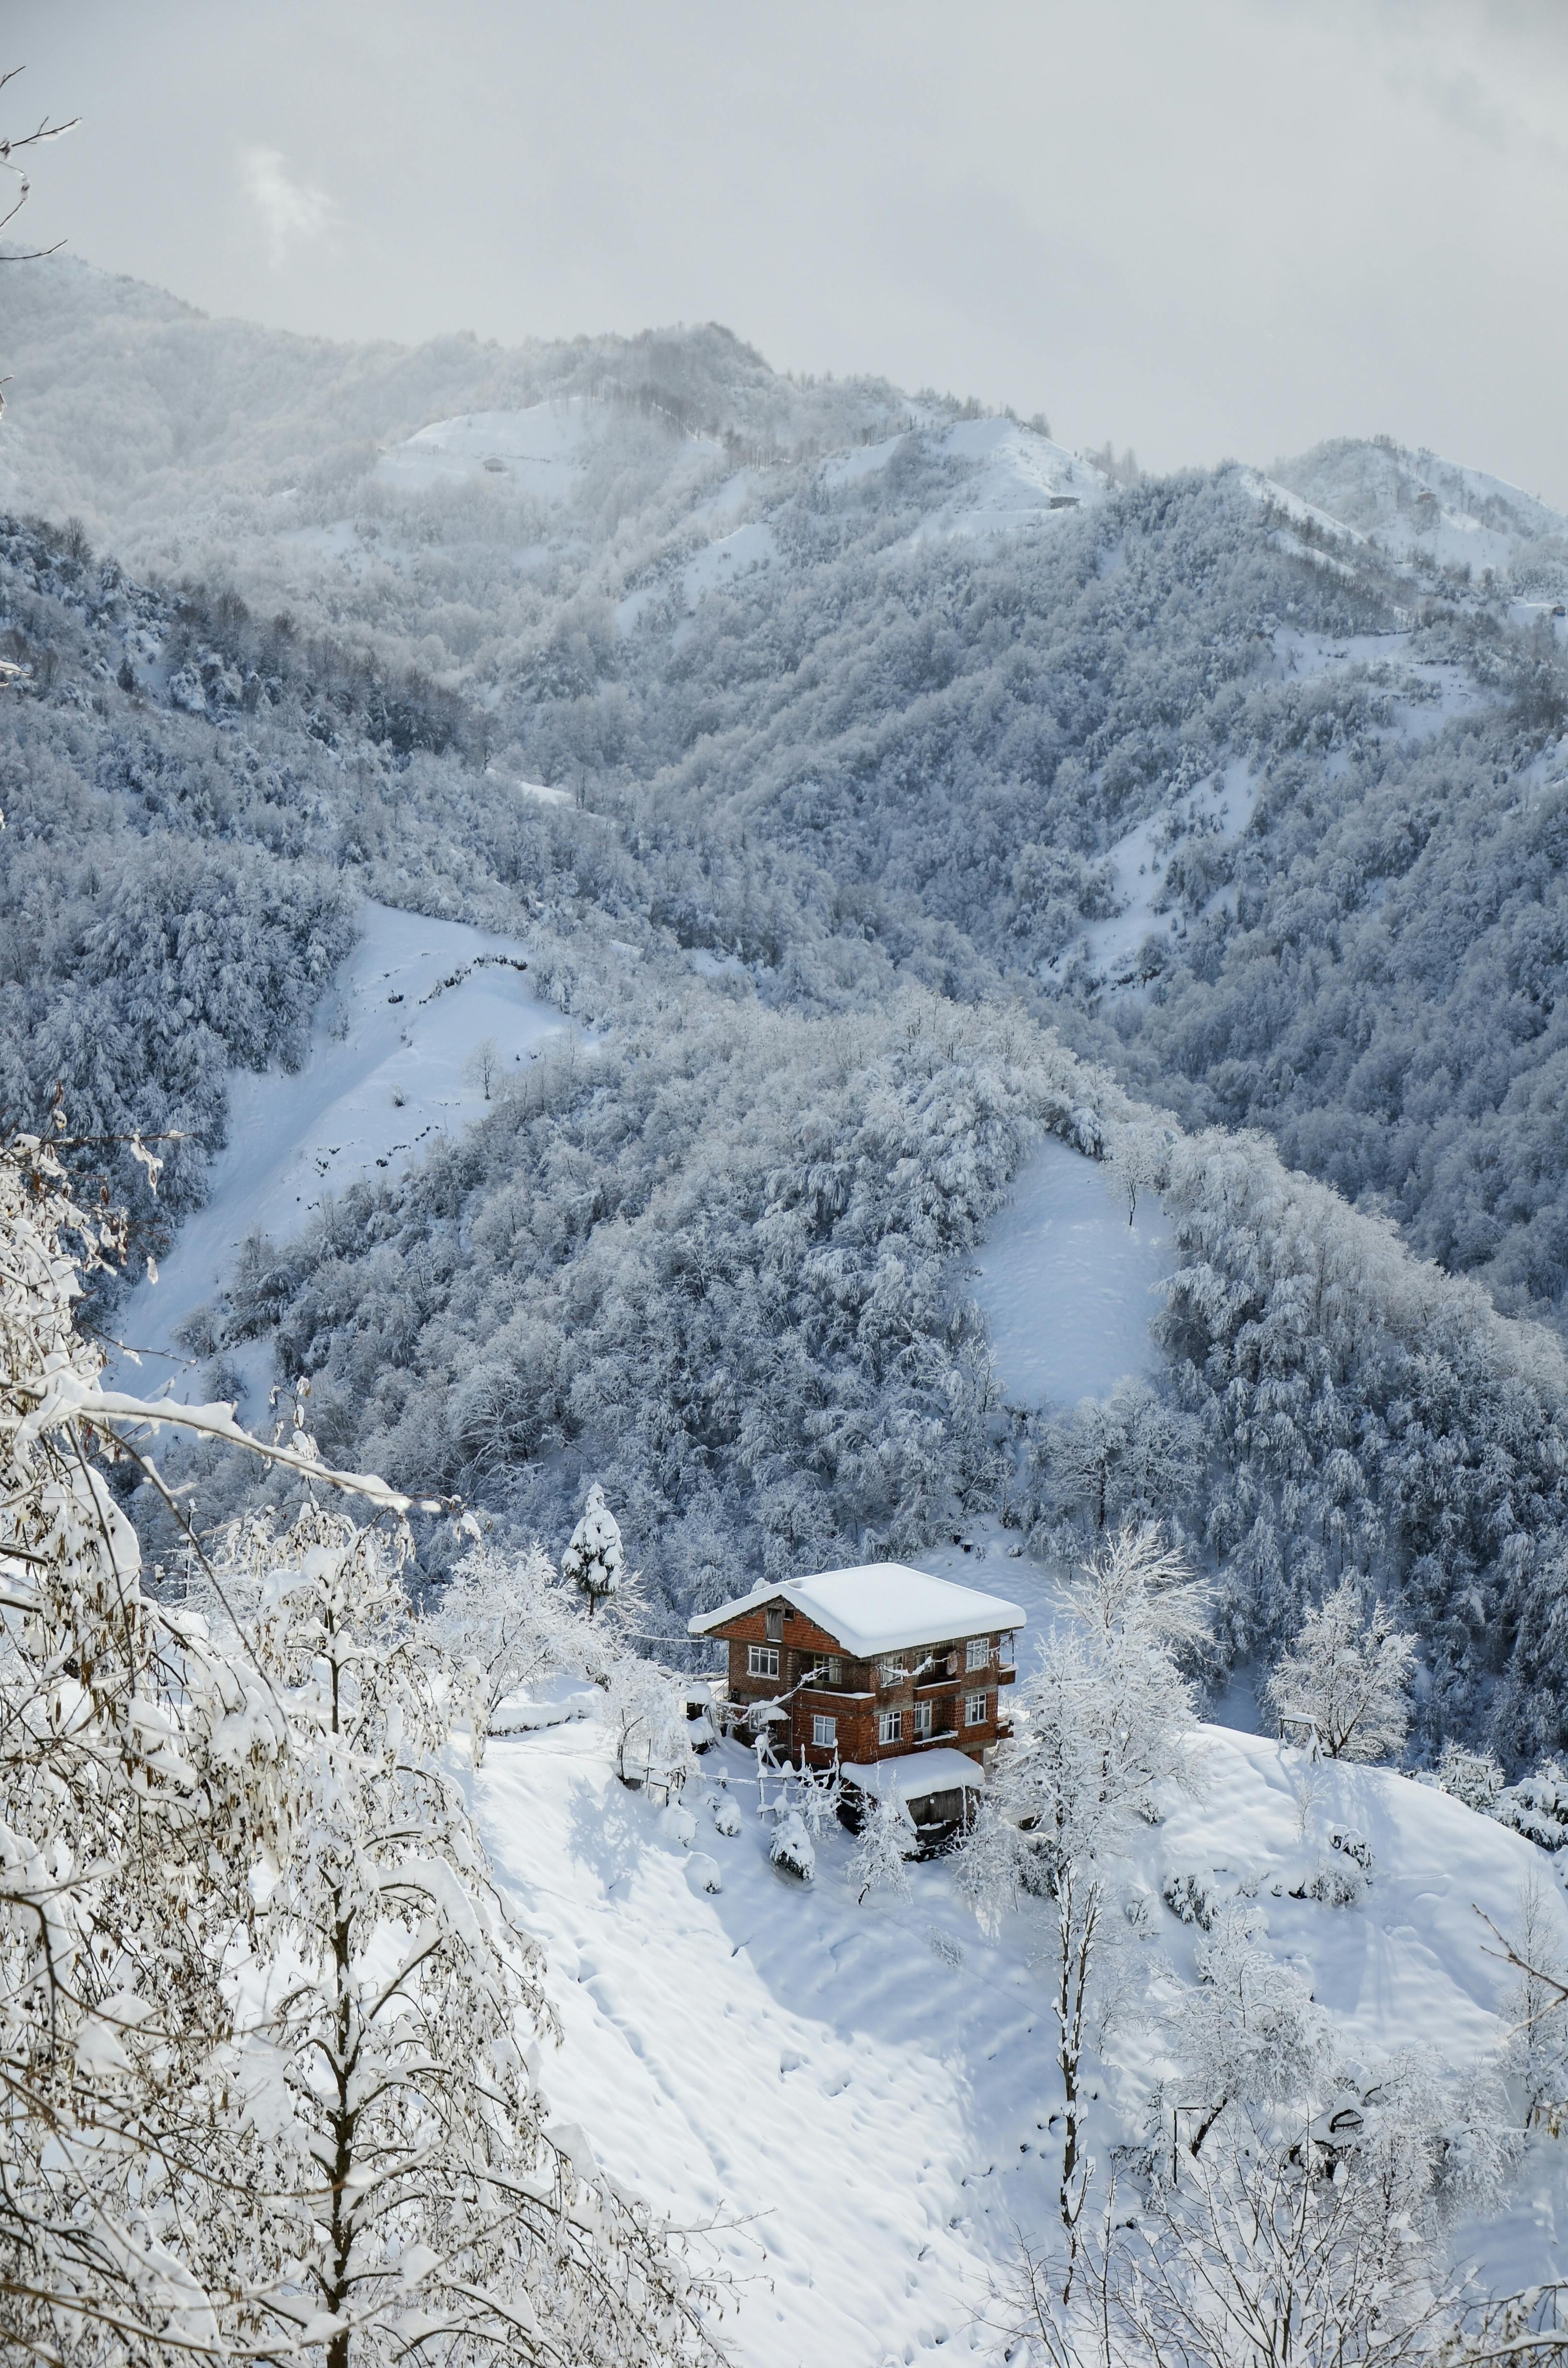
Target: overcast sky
{"x":1202,"y":227}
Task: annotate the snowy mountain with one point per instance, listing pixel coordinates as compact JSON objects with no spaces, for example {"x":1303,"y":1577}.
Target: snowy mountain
{"x":800,"y":957}
{"x":1417,"y":506}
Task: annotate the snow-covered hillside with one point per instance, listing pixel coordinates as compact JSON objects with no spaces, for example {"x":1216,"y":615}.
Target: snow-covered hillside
{"x":860,"y":2098}
{"x":540,"y":450}
{"x":389,"y":1070}
{"x":1413,"y":505}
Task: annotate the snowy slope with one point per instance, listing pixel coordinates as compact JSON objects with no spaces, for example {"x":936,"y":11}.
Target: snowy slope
{"x":717,"y":566}
{"x":1413,"y":504}
{"x":383,"y":1078}
{"x":860,"y":2095}
{"x":1223,"y":808}
{"x":1020,"y":480}
{"x":1066,"y":1286}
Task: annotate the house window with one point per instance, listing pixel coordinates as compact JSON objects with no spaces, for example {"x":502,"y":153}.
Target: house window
{"x":1006,"y":1655}
{"x":762,"y":1660}
{"x":893,"y":1671}
{"x":824,"y":1732}
{"x":977,"y":1653}
{"x":922,"y":1721}
{"x":974,"y":1709}
{"x":890,"y":1726}
{"x":775,"y":1618}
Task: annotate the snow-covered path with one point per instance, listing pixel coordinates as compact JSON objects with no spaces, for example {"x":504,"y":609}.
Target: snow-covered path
{"x":383,"y":1077}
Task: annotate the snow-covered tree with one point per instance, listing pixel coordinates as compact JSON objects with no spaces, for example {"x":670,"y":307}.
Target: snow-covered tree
{"x":266,"y":2026}
{"x":883,"y":1846}
{"x":1287,"y":2240}
{"x":502,"y":1622}
{"x":391,"y":2047}
{"x":1535,"y":2056}
{"x":112,"y":1925}
{"x":594,"y":1561}
{"x":647,"y":1707}
{"x":1348,"y":1677}
{"x":1098,"y":1727}
{"x":1247,"y":2030}
{"x":1538,"y":1807}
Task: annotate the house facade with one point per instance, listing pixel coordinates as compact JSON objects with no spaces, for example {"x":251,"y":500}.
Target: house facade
{"x":854,"y":1667}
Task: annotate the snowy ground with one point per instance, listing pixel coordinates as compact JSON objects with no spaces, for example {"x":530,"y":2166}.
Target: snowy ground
{"x":860,"y":2097}
{"x":1066,"y":1285}
{"x":383,"y":1078}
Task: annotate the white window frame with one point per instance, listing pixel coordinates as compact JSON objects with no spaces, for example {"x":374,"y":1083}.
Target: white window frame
{"x":893,"y":1670}
{"x":977,"y":1653}
{"x":975,"y":1712}
{"x":762,"y":1660}
{"x":922,"y":1721}
{"x":824,"y":1732}
{"x":890,"y":1726}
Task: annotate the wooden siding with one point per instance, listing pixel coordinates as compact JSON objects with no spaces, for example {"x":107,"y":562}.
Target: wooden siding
{"x":857,"y":1694}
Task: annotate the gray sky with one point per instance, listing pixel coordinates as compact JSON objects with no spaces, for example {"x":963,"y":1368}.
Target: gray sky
{"x":1204,"y":227}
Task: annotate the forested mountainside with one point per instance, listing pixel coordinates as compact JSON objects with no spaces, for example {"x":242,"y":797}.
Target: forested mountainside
{"x":916,"y":789}
{"x":859,"y":687}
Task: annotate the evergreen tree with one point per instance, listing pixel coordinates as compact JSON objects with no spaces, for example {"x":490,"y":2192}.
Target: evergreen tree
{"x":594,"y":1561}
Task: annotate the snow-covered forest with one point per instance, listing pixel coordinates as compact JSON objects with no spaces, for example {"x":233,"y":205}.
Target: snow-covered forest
{"x":863,"y":803}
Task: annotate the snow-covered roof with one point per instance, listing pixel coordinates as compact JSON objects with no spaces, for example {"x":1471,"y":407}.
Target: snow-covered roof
{"x":910,"y":1775}
{"x":883,"y":1606}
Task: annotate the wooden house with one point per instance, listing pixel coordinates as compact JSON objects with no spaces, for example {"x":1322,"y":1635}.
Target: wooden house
{"x":897,"y":1679}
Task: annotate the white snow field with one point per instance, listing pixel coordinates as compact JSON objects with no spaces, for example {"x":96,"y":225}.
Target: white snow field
{"x":383,"y":1077}
{"x":540,"y":450}
{"x":856,"y":2099}
{"x":1066,"y":1285}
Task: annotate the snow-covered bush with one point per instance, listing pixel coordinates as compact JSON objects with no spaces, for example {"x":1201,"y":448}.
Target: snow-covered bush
{"x":1354,"y":1847}
{"x":1346,"y":1680}
{"x":793,"y":1847}
{"x":1537,"y":1806}
{"x":816,"y":1799}
{"x":1333,"y":1882}
{"x":886,"y":1842}
{"x":1473,"y":1777}
{"x":1192,"y":1897}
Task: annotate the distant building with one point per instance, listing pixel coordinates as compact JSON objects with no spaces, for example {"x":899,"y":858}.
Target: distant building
{"x":895,"y":1677}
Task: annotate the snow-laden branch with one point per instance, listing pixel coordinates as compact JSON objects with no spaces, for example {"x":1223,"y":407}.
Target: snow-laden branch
{"x":67,"y":1399}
